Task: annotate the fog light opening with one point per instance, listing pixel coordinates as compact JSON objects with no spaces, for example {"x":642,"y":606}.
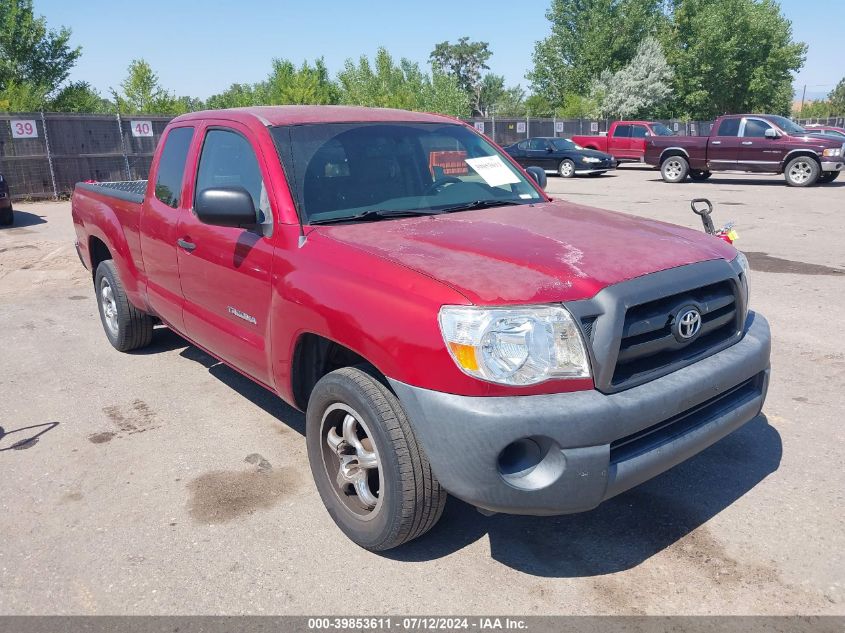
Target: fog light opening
{"x":531,"y":463}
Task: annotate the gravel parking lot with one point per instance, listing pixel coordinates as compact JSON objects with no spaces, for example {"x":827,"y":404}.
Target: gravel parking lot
{"x":163,"y":482}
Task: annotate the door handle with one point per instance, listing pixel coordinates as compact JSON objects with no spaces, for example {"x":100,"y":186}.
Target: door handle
{"x":715,"y":142}
{"x":188,"y":246}
{"x":747,"y":143}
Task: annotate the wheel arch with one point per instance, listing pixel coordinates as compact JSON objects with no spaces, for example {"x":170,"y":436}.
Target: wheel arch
{"x":673,"y":151}
{"x":795,"y":153}
{"x":314,"y":356}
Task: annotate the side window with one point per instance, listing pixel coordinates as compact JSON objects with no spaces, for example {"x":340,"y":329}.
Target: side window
{"x":622,"y":131}
{"x":171,"y":165}
{"x":728,"y":127}
{"x":523,"y":145}
{"x":755,"y":128}
{"x":228,"y":160}
{"x":537,"y":144}
{"x":638,"y":131}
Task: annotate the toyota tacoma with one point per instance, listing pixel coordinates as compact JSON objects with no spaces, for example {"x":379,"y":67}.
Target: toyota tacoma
{"x":445,"y":325}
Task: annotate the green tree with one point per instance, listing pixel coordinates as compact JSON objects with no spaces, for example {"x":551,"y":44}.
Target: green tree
{"x":837,"y":99}
{"x":640,"y":89}
{"x":79,"y":96}
{"x":820,"y":109}
{"x":22,"y":97}
{"x":141,"y":93}
{"x":386,"y":84}
{"x":588,"y":37}
{"x":497,"y":99}
{"x":304,"y":85}
{"x":732,"y":56}
{"x":237,"y":96}
{"x":464,"y":61}
{"x":30,"y":53}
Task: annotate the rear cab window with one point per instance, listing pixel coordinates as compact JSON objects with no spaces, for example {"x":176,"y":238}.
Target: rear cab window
{"x":171,"y":166}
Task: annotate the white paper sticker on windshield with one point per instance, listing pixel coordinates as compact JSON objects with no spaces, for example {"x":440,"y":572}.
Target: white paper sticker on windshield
{"x":494,"y":172}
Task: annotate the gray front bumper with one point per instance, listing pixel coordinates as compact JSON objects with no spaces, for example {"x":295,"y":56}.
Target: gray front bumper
{"x":608,"y":443}
{"x":833,"y":165}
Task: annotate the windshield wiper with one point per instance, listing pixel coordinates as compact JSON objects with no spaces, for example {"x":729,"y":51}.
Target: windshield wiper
{"x":374,"y":214}
{"x":479,"y":204}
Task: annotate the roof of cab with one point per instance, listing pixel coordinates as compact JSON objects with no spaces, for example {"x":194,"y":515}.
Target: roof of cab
{"x":301,"y":114}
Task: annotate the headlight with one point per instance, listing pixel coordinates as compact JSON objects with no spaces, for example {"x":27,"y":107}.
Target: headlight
{"x":591,"y":159}
{"x":742,"y":260}
{"x":515,"y":346}
{"x":833,"y":151}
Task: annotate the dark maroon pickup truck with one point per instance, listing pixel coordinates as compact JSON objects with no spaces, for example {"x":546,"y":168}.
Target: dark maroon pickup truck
{"x":760,"y":143}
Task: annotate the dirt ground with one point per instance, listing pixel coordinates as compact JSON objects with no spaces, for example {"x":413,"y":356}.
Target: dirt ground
{"x":162,"y":482}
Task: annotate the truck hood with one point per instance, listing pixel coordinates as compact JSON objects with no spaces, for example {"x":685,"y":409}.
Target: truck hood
{"x":548,"y":252}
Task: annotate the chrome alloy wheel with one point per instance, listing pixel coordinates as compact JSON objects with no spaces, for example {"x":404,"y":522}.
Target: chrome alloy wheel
{"x":800,"y":172}
{"x":351,"y":460}
{"x":673,"y":169}
{"x":109,"y":306}
{"x":567,"y":169}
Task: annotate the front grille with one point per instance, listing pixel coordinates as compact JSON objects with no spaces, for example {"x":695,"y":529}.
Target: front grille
{"x":648,"y":345}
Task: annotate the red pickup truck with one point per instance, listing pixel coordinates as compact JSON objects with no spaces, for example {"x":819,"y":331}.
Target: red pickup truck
{"x":757,"y":143}
{"x":625,"y":140}
{"x":445,"y":332}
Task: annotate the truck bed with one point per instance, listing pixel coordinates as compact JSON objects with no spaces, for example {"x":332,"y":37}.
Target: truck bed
{"x":129,"y":190}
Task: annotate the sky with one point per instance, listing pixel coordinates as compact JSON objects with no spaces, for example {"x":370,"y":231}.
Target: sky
{"x":200,"y":48}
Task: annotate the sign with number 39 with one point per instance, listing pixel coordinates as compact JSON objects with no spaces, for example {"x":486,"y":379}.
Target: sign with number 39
{"x":23,"y":128}
{"x":142,"y":128}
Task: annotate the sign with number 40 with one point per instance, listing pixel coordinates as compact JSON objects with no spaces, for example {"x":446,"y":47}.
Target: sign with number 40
{"x":142,"y":128}
{"x":24,"y":128}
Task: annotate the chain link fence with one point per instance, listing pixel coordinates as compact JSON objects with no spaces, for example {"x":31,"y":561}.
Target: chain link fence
{"x":44,"y":155}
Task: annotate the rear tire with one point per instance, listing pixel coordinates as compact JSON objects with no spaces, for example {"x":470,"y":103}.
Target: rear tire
{"x":674,"y":169}
{"x":699,"y":175}
{"x":566,"y":169}
{"x":126,"y":326}
{"x":828,"y":176}
{"x":802,"y":171}
{"x":7,"y":217}
{"x":371,"y":473}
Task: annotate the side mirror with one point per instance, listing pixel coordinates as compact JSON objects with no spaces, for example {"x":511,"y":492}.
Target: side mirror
{"x":550,"y":149}
{"x":771,"y":133}
{"x":226,"y":206}
{"x":538,"y":175}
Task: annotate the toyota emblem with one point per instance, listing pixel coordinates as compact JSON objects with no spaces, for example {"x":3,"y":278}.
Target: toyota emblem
{"x":687,"y":324}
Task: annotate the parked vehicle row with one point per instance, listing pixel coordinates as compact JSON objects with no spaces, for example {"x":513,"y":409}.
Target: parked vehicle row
{"x":445,"y":325}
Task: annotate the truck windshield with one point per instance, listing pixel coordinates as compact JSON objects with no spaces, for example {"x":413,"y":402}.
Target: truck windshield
{"x":661,"y":130}
{"x":788,"y":126}
{"x":357,"y":171}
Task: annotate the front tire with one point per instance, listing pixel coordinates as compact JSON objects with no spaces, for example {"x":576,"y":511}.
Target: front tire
{"x":828,"y":176}
{"x":371,"y":473}
{"x":126,"y":326}
{"x":802,"y":171}
{"x":7,"y":217}
{"x":699,"y":175}
{"x":566,"y":169}
{"x":674,"y":169}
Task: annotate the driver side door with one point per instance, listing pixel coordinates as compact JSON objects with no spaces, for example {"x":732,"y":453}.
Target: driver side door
{"x":225,"y":272}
